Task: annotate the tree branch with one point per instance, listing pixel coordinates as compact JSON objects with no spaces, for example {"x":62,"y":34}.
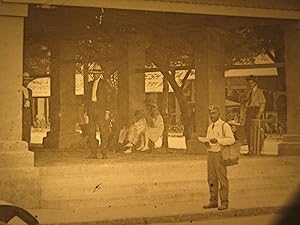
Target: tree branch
{"x":185,"y":78}
{"x":272,"y":57}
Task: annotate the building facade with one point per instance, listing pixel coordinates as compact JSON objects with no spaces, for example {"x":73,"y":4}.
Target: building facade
{"x":17,"y":170}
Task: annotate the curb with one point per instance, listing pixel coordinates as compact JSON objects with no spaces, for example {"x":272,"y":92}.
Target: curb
{"x":181,"y":217}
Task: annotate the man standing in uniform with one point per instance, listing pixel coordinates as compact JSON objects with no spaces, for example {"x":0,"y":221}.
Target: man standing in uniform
{"x":97,"y":107}
{"x":27,"y":108}
{"x":255,"y":107}
{"x":219,"y":134}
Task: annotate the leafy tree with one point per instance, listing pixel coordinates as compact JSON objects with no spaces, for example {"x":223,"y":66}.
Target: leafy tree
{"x":244,"y":43}
{"x":37,"y":59}
{"x":168,"y":51}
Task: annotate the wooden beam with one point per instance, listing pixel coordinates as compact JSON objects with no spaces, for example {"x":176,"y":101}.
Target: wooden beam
{"x":255,"y":66}
{"x":178,"y":7}
{"x":252,"y":66}
{"x":8,"y":9}
{"x":149,"y":70}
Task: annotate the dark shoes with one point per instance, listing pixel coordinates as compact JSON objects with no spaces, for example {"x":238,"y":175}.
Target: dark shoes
{"x":92,"y":156}
{"x":95,"y":157}
{"x":210,"y":205}
{"x":249,"y":154}
{"x":223,"y":206}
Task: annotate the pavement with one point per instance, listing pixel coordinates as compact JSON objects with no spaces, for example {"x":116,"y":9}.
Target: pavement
{"x":259,"y":186}
{"x":243,"y":220}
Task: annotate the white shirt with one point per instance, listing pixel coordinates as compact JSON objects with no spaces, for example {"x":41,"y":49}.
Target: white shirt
{"x":257,"y":99}
{"x":26,"y":97}
{"x":25,"y":92}
{"x":94,"y":90}
{"x":222,"y":133}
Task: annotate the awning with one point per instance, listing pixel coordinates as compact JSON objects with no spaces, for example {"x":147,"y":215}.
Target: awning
{"x":272,"y":71}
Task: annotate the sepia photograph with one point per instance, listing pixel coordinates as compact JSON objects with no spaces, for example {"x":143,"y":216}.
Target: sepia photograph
{"x":150,"y":112}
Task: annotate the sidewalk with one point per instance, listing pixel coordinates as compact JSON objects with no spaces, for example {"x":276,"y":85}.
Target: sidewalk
{"x":259,"y":185}
{"x":144,"y":215}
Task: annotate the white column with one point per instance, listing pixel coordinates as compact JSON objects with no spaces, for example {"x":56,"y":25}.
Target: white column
{"x":19,"y":180}
{"x":11,"y":67}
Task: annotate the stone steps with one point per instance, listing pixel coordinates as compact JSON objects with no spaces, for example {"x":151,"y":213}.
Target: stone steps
{"x":19,"y":159}
{"x":289,"y":148}
{"x":291,"y":138}
{"x":253,"y":166}
{"x":166,"y":182}
{"x":261,"y":195}
{"x":73,"y":189}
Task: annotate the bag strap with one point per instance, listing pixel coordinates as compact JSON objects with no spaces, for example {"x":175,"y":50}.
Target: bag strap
{"x":223,"y":131}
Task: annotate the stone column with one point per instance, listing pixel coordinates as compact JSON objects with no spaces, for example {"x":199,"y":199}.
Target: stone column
{"x":123,"y":79}
{"x":132,"y":78}
{"x":19,"y":179}
{"x":136,"y":65}
{"x":209,"y":80}
{"x":291,"y":141}
{"x":62,"y":100}
{"x":292,"y":56}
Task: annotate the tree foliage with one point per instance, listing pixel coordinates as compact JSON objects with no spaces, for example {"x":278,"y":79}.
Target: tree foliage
{"x":37,"y":59}
{"x":244,"y":44}
{"x":168,"y":51}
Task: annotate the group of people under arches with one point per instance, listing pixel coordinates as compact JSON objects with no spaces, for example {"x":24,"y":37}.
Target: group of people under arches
{"x":142,"y":134}
{"x":147,"y":128}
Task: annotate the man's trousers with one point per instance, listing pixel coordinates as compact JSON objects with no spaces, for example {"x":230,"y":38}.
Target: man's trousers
{"x":217,"y":176}
{"x":251,"y":113}
{"x":97,"y":120}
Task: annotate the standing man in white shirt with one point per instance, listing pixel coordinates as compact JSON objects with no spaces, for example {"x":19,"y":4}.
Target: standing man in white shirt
{"x":255,"y":107}
{"x":97,"y":104}
{"x":219,"y":134}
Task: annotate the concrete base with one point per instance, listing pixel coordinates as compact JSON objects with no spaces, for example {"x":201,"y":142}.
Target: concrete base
{"x":20,"y":183}
{"x":196,"y":147}
{"x":291,"y":138}
{"x":290,"y":145}
{"x":61,"y":140}
{"x":21,"y":186}
{"x":270,"y":146}
{"x":289,"y":148}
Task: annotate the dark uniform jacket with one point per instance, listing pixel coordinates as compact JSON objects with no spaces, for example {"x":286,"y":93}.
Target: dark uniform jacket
{"x":102,"y":96}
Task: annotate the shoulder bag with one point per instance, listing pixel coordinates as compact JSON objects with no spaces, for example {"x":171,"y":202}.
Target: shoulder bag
{"x":230,"y":153}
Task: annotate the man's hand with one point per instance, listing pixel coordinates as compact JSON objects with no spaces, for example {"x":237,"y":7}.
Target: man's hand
{"x":213,"y":141}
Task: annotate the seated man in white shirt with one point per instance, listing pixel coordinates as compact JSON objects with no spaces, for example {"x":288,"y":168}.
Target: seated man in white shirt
{"x":219,"y":134}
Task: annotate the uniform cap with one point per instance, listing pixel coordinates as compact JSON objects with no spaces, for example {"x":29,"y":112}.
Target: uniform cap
{"x":213,"y":108}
